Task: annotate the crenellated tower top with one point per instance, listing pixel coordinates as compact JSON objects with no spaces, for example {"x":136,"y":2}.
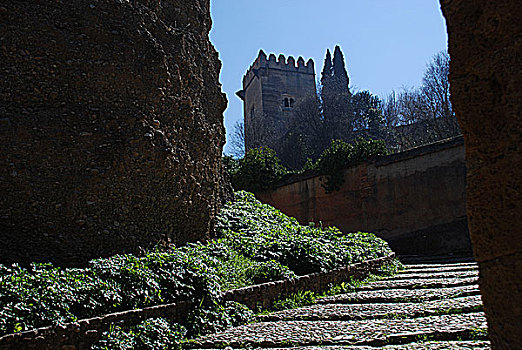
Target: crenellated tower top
{"x":281,"y":63}
{"x":273,"y":89}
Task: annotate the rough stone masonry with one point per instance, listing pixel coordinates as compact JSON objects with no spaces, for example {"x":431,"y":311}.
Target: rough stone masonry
{"x":111,"y":127}
{"x":485,"y":47}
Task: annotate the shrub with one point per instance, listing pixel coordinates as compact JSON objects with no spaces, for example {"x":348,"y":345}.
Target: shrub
{"x":341,"y":155}
{"x":230,"y":164}
{"x":258,"y":170}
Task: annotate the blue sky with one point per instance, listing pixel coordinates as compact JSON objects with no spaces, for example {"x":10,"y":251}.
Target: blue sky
{"x":386,"y":43}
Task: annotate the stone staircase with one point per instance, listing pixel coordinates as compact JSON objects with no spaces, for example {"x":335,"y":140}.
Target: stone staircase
{"x":425,"y":306}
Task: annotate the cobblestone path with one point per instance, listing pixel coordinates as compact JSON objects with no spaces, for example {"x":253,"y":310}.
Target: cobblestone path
{"x":426,"y":306}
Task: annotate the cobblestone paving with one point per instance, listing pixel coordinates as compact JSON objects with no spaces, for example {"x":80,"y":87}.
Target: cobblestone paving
{"x":337,"y":312}
{"x":405,"y":295}
{"x":437,"y":270}
{"x":269,"y":334}
{"x":440,"y":266}
{"x":453,"y":345}
{"x":393,"y":314}
{"x":420,"y":283}
{"x":432,"y":275}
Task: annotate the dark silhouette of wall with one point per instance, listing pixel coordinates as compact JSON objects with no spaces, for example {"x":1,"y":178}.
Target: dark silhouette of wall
{"x":111,"y":127}
{"x":485,"y":47}
{"x":415,"y":200}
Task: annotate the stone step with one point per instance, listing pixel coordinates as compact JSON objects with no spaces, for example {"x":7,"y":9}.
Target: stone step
{"x":435,"y":274}
{"x":437,"y":269}
{"x":401,"y":295}
{"x":345,"y":312}
{"x":377,"y":332}
{"x":431,"y":345}
{"x":422,"y":259}
{"x":441,"y":266}
{"x":419,"y":283}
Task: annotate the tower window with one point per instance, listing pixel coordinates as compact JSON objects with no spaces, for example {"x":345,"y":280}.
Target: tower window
{"x":288,"y":102}
{"x":252,"y":112}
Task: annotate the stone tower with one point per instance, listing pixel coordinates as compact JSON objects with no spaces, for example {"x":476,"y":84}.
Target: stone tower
{"x":271,"y":91}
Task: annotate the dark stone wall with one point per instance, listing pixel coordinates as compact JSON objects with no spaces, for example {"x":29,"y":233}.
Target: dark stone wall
{"x":485,"y":73}
{"x":111,"y":127}
{"x":415,"y":200}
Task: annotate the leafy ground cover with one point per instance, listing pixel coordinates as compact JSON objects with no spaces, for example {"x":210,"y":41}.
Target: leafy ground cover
{"x":256,"y":243}
{"x":155,"y":333}
{"x":261,"y":233}
{"x":307,"y":297}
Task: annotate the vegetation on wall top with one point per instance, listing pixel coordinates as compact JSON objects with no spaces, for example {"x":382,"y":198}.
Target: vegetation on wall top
{"x":341,"y":155}
{"x":261,"y":170}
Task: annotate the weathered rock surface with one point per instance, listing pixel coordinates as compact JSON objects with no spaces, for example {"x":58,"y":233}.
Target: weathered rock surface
{"x":485,"y":75}
{"x":110,"y":127}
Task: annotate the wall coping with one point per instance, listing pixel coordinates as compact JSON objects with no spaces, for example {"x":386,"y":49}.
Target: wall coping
{"x":420,"y":151}
{"x":84,"y":332}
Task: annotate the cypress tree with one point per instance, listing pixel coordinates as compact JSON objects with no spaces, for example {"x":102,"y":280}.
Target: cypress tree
{"x":336,"y":97}
{"x":327,"y":72}
{"x":327,"y":90}
{"x":340,"y":76}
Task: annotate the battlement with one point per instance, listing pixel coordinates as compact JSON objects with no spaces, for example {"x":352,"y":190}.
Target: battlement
{"x":281,"y":63}
{"x":272,"y":90}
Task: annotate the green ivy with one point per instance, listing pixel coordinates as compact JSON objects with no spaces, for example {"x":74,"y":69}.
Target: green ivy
{"x":341,"y":155}
{"x":258,"y":170}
